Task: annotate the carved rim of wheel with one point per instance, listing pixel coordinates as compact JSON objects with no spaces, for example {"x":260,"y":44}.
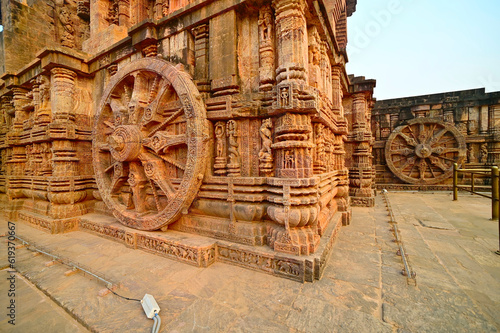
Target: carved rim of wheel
{"x":423,"y":151}
{"x":149,"y":144}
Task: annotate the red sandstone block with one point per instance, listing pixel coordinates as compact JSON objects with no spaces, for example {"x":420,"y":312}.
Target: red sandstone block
{"x":71,"y":272}
{"x":50,"y":263}
{"x":103,"y":292}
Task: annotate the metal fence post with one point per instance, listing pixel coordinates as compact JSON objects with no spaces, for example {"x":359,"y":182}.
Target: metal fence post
{"x":494,"y":193}
{"x":472,"y":183}
{"x":455,"y":181}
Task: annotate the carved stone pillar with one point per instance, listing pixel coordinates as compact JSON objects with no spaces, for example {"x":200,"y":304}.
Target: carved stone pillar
{"x":293,"y":146}
{"x":291,"y":34}
{"x":20,"y":100}
{"x":395,"y":120}
{"x":337,"y":91}
{"x":360,"y":141}
{"x":358,"y":113}
{"x":201,"y":57}
{"x":124,"y":13}
{"x":266,"y":48}
{"x":62,"y":97}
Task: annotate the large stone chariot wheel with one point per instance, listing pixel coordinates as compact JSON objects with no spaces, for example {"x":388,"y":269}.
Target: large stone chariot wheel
{"x":149,"y":144}
{"x":423,"y":151}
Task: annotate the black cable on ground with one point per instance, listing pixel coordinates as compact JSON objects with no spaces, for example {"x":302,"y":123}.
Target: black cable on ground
{"x":128,"y":299}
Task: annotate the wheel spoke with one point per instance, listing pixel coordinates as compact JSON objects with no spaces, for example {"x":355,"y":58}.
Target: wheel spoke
{"x":109,"y":124}
{"x":155,"y":194}
{"x":166,"y":122}
{"x":174,"y":162}
{"x":435,"y":161}
{"x":408,"y":162}
{"x":137,"y":182}
{"x":411,"y":169}
{"x":403,"y":151}
{"x":103,"y":146}
{"x":162,"y":141}
{"x":154,"y":169}
{"x":432,"y":171}
{"x":433,"y":140}
{"x":409,"y":141}
{"x":422,"y":166}
{"x":444,"y":150}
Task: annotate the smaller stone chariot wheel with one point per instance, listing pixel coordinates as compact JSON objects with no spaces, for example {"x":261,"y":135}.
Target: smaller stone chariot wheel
{"x":423,"y":151}
{"x":149,"y":144}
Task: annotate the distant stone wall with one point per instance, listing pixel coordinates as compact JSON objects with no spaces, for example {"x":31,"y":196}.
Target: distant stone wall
{"x":417,"y":139}
{"x":27,"y":30}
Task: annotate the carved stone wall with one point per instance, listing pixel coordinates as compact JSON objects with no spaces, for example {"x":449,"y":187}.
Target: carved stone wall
{"x":358,"y":105}
{"x":417,"y":139}
{"x":218,"y":119}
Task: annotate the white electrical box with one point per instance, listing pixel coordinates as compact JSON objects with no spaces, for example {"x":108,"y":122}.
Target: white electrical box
{"x":150,"y":306}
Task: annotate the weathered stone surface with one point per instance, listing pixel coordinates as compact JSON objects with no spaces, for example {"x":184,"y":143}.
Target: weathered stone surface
{"x":225,"y":119}
{"x":455,"y":291}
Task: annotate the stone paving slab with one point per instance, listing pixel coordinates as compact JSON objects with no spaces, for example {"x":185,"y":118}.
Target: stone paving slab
{"x":362,"y":289}
{"x":32,"y":308}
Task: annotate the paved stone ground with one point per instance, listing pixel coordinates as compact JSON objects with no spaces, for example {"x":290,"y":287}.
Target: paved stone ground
{"x":450,"y":245}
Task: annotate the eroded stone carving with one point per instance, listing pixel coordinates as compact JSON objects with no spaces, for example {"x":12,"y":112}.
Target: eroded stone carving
{"x":149,"y":139}
{"x":424,"y":150}
{"x":266,"y":154}
{"x":213,"y":121}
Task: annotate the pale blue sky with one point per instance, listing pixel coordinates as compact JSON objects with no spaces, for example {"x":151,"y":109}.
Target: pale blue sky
{"x":416,"y":47}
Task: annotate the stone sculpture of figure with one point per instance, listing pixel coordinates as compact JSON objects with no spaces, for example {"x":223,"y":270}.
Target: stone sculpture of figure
{"x":265,"y":135}
{"x":484,"y":153}
{"x":68,"y":31}
{"x":265,"y":154}
{"x":289,"y":161}
{"x":220,"y":150}
{"x":470,"y":154}
{"x":43,"y":114}
{"x":234,"y":155}
{"x":376,"y":130}
{"x":44,"y":92}
{"x":265,"y":21}
{"x":320,"y":143}
{"x":219,"y":137}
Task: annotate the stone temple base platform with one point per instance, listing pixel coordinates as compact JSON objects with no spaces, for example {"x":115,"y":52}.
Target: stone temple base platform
{"x":198,"y":250}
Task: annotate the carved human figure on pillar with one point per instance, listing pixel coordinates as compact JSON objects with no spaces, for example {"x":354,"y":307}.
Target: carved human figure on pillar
{"x":112,"y":17}
{"x":265,"y":154}
{"x":289,"y":162}
{"x":484,"y":153}
{"x":233,"y":167}
{"x":43,"y":114}
{"x":68,"y":31}
{"x":376,"y":130}
{"x":266,"y":48}
{"x":470,"y":154}
{"x":319,"y":163}
{"x":220,"y":149}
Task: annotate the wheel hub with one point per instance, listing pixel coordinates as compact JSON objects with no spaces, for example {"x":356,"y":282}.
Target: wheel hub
{"x":125,"y":143}
{"x":423,"y":150}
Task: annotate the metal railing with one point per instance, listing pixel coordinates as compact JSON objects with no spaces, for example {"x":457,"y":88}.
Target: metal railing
{"x":495,"y":190}
{"x":493,"y":173}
